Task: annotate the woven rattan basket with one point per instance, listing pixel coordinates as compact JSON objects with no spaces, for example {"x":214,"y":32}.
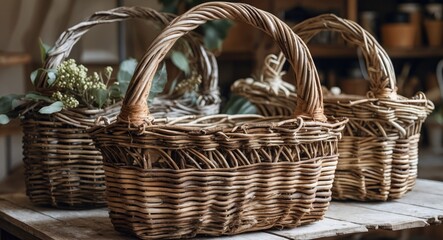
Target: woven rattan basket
{"x":220,"y":174}
{"x":379,"y":149}
{"x":62,"y":166}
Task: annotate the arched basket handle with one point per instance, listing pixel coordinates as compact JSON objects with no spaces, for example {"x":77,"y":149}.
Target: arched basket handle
{"x":378,"y":64}
{"x":70,"y":37}
{"x":310,"y":98}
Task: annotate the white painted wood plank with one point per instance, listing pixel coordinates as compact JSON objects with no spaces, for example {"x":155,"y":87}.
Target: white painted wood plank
{"x":428,"y":200}
{"x":324,"y":228}
{"x":22,"y":214}
{"x":50,"y":223}
{"x":372,"y":219}
{"x":245,"y":236}
{"x":100,"y":214}
{"x":429,"y":186}
{"x":431,"y":216}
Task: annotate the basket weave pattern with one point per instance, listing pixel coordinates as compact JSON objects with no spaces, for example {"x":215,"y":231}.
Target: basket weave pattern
{"x":236,"y":191}
{"x":219,"y":174}
{"x":62,"y":166}
{"x":379,"y":149}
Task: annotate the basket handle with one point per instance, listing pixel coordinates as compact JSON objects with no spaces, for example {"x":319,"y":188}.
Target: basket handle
{"x":378,"y":64}
{"x":309,"y":97}
{"x":67,"y":39}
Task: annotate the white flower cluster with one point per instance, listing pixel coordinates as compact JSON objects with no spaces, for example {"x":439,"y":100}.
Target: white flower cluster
{"x":74,"y":85}
{"x":75,"y":77}
{"x":67,"y":100}
{"x":190,"y":84}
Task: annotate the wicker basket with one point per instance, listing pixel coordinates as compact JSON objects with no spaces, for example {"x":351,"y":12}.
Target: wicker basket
{"x":379,"y":148}
{"x":62,"y":167}
{"x":219,"y":174}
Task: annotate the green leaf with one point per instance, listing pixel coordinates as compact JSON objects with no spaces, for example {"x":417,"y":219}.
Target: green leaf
{"x":34,"y":75}
{"x":159,"y":82}
{"x":180,"y":60}
{"x":51,"y":77}
{"x":4,"y":119}
{"x":239,"y":105}
{"x":54,"y":107}
{"x":211,"y":39}
{"x":247,"y":108}
{"x":6,"y":102}
{"x":37,"y":97}
{"x":44,"y":49}
{"x":126,"y":70}
{"x":221,"y":26}
{"x":100,"y":96}
{"x":114,"y":92}
{"x":123,"y":86}
{"x":233,"y":105}
{"x":16,"y":103}
{"x":124,"y":75}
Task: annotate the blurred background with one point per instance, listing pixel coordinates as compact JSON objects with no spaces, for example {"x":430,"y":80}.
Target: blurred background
{"x":411,"y":32}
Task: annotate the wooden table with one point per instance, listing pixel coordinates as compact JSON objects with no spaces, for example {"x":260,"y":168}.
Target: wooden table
{"x":420,"y":208}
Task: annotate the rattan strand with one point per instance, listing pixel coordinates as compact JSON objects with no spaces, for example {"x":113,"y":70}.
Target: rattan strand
{"x":219,"y":174}
{"x":379,"y":149}
{"x":63,"y":168}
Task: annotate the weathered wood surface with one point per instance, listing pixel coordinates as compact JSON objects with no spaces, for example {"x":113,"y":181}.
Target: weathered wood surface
{"x":372,"y":219}
{"x":324,"y":228}
{"x":419,"y":208}
{"x":429,"y":186}
{"x":431,"y":216}
{"x":47,"y":223}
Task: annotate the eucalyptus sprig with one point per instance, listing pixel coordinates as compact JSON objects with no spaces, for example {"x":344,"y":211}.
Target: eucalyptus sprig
{"x":239,"y":105}
{"x":76,"y":88}
{"x":72,"y":86}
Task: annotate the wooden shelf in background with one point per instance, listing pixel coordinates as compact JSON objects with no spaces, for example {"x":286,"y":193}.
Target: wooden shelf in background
{"x":420,"y":52}
{"x":10,"y":59}
{"x":339,"y":51}
{"x":11,"y":128}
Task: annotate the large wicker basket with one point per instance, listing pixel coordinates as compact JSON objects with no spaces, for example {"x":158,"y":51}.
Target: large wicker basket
{"x":379,"y":149}
{"x":220,"y":174}
{"x":62,"y":166}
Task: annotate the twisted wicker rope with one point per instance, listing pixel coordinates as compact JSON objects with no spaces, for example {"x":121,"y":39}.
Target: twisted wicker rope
{"x":310,"y":101}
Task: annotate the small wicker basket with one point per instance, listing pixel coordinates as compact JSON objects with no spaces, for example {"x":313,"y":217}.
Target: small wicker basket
{"x":220,"y":174}
{"x":62,"y":167}
{"x":379,"y":149}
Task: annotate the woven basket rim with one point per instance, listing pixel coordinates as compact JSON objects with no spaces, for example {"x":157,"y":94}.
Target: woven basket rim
{"x":206,"y":170}
{"x":250,"y":121}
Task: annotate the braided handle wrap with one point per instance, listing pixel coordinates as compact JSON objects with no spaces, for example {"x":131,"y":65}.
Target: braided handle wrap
{"x":378,"y":64}
{"x":310,"y":98}
{"x":67,"y":39}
